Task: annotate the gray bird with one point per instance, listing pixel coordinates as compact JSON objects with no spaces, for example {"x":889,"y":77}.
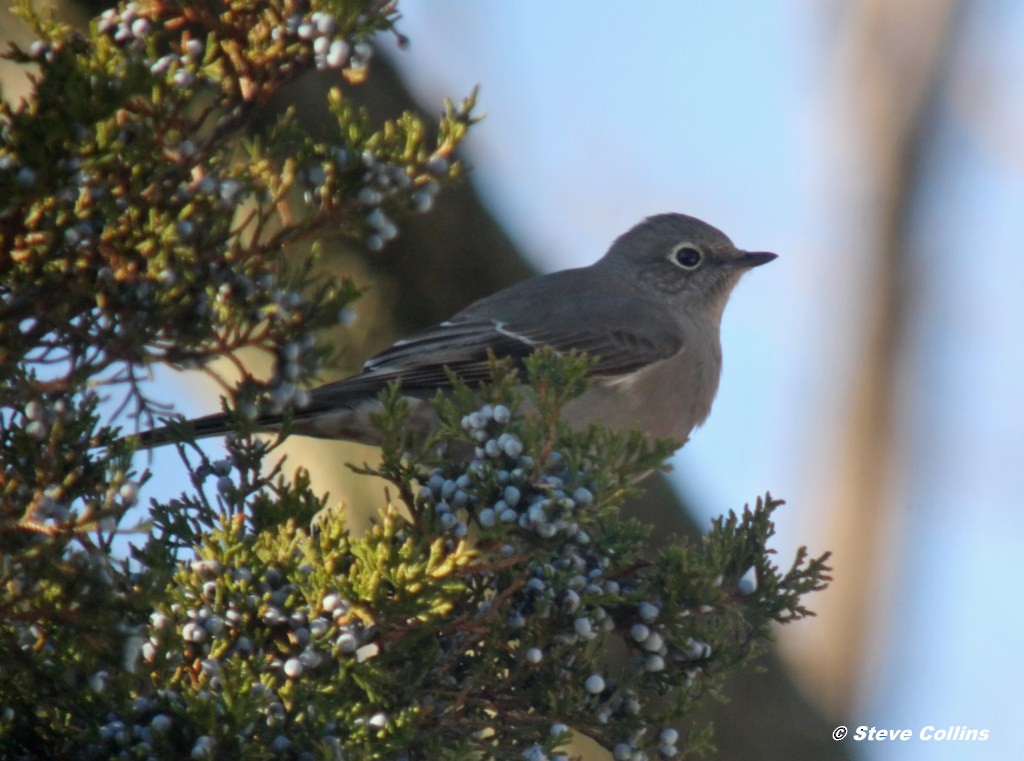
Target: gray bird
{"x":649,"y":311}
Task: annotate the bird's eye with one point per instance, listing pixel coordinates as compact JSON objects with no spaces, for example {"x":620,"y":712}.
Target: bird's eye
{"x":686,"y":256}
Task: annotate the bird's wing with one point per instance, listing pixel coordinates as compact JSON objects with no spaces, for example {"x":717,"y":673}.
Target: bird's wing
{"x":462,"y":345}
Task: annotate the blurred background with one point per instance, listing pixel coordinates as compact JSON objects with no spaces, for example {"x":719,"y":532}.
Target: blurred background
{"x":873,"y":373}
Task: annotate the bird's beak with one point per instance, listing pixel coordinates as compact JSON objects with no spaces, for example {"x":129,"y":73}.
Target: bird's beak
{"x":749,"y":259}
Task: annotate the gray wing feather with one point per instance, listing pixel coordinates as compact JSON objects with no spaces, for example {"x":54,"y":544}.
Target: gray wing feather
{"x":462,"y":345}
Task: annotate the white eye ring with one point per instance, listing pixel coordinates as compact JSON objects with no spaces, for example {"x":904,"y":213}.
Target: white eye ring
{"x":687,"y":256}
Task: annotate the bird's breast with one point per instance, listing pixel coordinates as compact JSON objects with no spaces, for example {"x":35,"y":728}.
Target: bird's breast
{"x":665,"y":400}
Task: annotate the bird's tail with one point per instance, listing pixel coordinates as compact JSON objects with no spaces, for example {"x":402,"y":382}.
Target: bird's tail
{"x":216,"y":424}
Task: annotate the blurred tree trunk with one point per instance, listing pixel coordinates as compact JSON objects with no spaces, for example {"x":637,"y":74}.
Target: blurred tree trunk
{"x":893,"y":65}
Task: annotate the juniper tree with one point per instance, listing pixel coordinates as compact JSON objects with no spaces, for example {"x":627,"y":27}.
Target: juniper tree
{"x":499,"y":604}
